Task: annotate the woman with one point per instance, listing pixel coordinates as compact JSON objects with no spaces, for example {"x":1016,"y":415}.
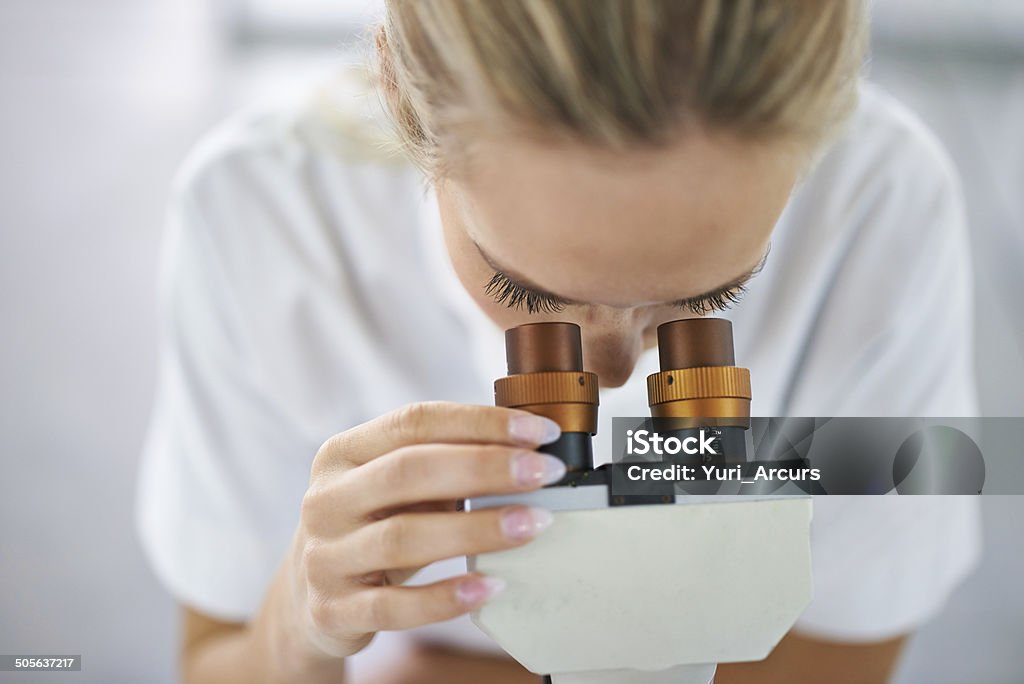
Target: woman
{"x":616,"y":164}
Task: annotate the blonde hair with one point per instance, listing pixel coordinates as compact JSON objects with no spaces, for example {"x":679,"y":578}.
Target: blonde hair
{"x":617,"y":72}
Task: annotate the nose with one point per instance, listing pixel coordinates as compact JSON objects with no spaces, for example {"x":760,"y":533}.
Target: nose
{"x":612,"y":352}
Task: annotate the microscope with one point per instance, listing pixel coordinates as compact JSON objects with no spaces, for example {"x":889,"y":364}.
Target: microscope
{"x":655,"y":587}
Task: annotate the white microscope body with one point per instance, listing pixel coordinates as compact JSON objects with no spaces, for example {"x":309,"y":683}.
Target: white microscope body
{"x":653,"y":589}
{"x":654,"y":594}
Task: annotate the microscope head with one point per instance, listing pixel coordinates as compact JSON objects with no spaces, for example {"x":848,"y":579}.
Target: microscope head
{"x":657,"y":589}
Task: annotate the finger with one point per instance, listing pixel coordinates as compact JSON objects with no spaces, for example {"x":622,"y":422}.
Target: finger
{"x":405,"y":607}
{"x":419,"y":475}
{"x":437,"y":421}
{"x":413,"y":540}
{"x":438,"y":472}
{"x":416,"y":540}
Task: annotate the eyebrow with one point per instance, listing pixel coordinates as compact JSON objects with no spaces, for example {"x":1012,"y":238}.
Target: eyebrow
{"x":523,"y":283}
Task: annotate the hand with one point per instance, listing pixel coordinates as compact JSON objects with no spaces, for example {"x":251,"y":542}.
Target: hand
{"x":381,"y":504}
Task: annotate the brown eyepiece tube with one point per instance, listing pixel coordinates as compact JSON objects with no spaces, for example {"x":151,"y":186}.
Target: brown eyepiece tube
{"x":699,"y":381}
{"x":546,"y":377}
{"x":543,"y":347}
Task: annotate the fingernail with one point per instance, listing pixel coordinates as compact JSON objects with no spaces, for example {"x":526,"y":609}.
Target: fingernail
{"x":478,"y":589}
{"x":533,"y":469}
{"x":524,"y":523}
{"x":533,"y":429}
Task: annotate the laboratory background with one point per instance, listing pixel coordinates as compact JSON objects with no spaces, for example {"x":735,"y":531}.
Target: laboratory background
{"x":100,"y":101}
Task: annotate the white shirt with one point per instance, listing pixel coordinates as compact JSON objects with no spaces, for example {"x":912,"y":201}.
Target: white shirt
{"x":305,"y":289}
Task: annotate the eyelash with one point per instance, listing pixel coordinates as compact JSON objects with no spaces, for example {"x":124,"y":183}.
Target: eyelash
{"x":514,"y":296}
{"x":716,"y":302}
{"x":504,"y":291}
{"x":723,"y":300}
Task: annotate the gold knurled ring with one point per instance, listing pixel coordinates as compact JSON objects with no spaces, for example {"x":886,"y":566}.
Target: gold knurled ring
{"x":550,"y":387}
{"x":698,"y":383}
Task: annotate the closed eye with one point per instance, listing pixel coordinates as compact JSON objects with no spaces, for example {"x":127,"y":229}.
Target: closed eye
{"x":726,"y":296}
{"x":513,"y":295}
{"x":711,"y":302}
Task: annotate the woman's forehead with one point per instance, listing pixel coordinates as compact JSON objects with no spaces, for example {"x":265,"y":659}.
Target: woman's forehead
{"x":651,"y":226}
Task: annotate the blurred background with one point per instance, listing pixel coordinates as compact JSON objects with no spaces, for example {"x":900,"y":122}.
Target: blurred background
{"x":100,"y":102}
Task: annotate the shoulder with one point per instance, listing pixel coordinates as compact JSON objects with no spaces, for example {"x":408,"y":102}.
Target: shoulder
{"x":872,"y":259}
{"x":887,"y":123}
{"x":883,"y":186}
{"x":886,"y":154}
{"x":296,"y":160}
{"x":299,"y":187}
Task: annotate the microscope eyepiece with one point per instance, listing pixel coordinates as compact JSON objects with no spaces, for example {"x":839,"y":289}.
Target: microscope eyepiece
{"x":699,"y":379}
{"x":546,"y":377}
{"x":695,"y":342}
{"x":543,"y":347}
